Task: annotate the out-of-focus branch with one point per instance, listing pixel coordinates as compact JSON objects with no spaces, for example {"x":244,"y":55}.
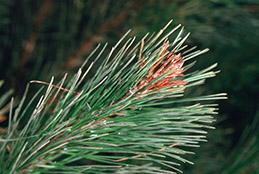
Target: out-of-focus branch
{"x":29,"y":45}
{"x":86,"y":45}
{"x":252,"y":8}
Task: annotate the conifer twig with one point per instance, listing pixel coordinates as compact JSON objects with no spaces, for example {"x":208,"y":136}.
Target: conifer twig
{"x":133,"y":108}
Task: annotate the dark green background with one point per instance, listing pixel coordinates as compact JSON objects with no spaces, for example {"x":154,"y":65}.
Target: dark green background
{"x":42,"y":38}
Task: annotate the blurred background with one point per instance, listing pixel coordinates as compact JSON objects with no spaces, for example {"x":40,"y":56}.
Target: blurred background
{"x":44,"y":38}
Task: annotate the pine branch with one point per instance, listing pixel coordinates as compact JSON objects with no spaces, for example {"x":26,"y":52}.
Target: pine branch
{"x":132,"y":116}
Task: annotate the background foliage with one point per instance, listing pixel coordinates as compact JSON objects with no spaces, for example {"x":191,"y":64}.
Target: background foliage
{"x":39,"y":39}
